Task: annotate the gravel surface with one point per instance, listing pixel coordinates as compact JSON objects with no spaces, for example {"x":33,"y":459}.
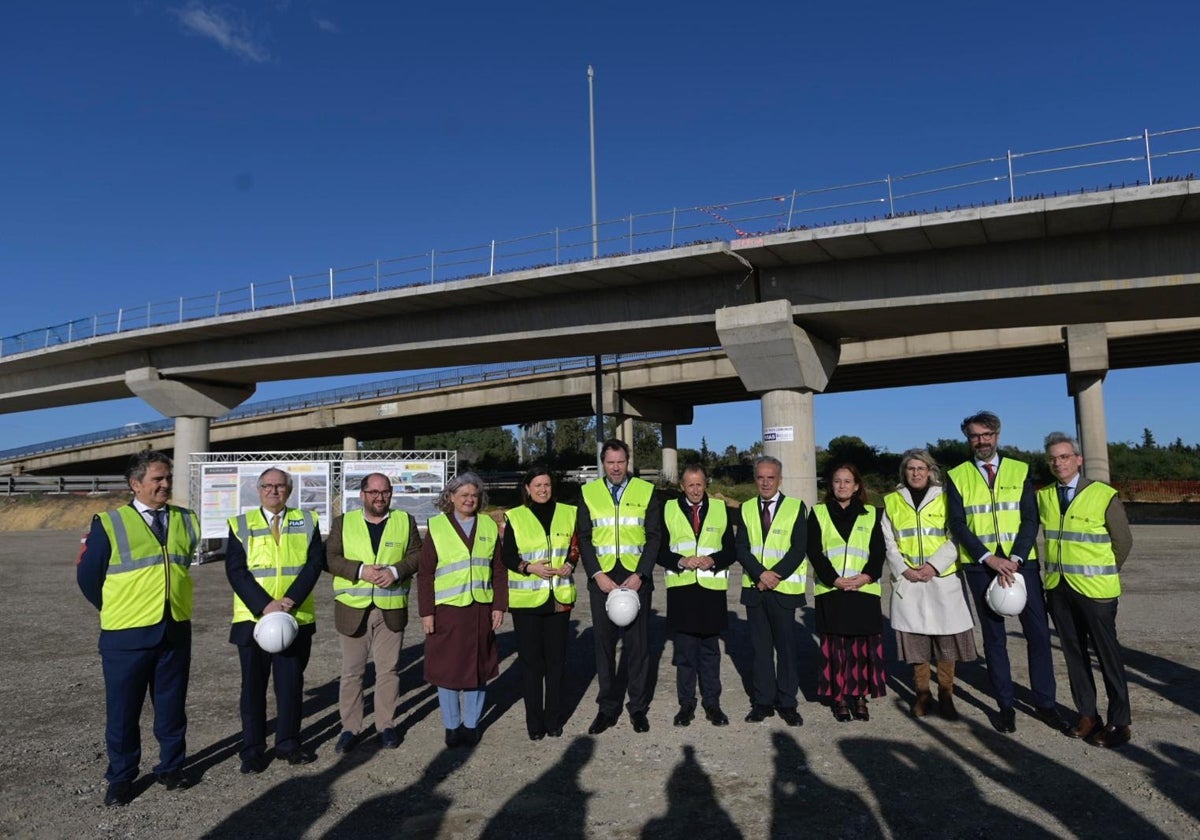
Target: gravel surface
{"x":891,"y":777}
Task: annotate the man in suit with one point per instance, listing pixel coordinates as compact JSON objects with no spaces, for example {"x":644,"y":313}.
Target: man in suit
{"x":697,"y":553}
{"x":274,"y":558}
{"x":991,"y":509}
{"x":145,"y":626}
{"x":373,"y":554}
{"x":619,"y":528}
{"x":770,"y":546}
{"x":1087,"y":542}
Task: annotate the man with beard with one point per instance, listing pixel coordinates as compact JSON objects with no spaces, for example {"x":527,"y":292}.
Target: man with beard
{"x":991,"y":509}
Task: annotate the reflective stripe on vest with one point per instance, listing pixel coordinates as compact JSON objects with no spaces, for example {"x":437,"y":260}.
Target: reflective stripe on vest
{"x":534,"y":545}
{"x":356,"y":545}
{"x":852,"y":555}
{"x":143,"y":577}
{"x":275,"y":567}
{"x":685,"y":543}
{"x":919,"y":533}
{"x":1078,"y":547}
{"x":463,"y":575}
{"x":777,"y":543}
{"x":993,"y":513}
{"x":618,"y":534}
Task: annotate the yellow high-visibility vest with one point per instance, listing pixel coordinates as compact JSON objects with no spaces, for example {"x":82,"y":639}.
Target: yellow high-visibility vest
{"x":618,"y":534}
{"x":534,"y":545}
{"x":778,"y":541}
{"x":993,"y":513}
{"x":275,"y":567}
{"x":463,"y":575}
{"x":144,"y":577}
{"x":356,"y":544}
{"x":919,"y":533}
{"x":1078,"y":545}
{"x":686,"y":543}
{"x":852,"y":555}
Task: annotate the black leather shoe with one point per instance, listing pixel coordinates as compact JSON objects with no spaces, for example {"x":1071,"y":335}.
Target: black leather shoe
{"x":299,"y":757}
{"x":841,"y":713}
{"x":759,"y":713}
{"x":860,"y":710}
{"x":452,"y":739}
{"x":119,"y":793}
{"x":685,"y":715}
{"x":601,"y":723}
{"x":536,"y":736}
{"x":1006,"y":721}
{"x":1052,"y":718}
{"x":790,"y":716}
{"x":174,"y":780}
{"x":1111,"y":736}
{"x":715,"y":716}
{"x":389,"y":738}
{"x":345,"y":743}
{"x":468,"y":736}
{"x":554,"y":732}
{"x":255,"y":765}
{"x":640,"y":722}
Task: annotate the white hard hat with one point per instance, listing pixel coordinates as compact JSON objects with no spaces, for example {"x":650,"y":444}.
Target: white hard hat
{"x":622,"y":606}
{"x":276,"y":631}
{"x":1006,"y":600}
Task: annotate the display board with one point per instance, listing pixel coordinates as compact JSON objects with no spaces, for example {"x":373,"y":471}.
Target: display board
{"x":231,"y":489}
{"x":415,"y":484}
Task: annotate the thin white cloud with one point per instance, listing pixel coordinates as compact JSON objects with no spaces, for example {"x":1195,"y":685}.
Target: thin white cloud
{"x":226,"y":26}
{"x":326,"y":25}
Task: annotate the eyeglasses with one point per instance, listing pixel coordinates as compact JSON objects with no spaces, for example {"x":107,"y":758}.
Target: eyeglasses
{"x":276,"y":488}
{"x":375,"y":494}
{"x":982,"y":436}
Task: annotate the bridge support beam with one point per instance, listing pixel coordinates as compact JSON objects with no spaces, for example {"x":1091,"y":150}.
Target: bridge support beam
{"x":193,"y":404}
{"x":786,"y":365}
{"x":349,"y":443}
{"x":626,"y":434}
{"x":670,"y":455}
{"x":1087,"y":354}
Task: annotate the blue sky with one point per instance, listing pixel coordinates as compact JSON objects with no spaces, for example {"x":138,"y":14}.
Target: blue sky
{"x":162,"y":149}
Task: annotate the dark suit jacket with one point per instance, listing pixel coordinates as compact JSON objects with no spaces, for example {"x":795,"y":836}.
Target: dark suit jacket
{"x":255,"y":597}
{"x":352,"y":621}
{"x":956,"y":520}
{"x":751,"y":595}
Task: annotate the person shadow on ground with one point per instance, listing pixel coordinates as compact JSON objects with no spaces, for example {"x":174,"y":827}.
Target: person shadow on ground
{"x":692,"y":807}
{"x":797,"y":794}
{"x":552,"y":805}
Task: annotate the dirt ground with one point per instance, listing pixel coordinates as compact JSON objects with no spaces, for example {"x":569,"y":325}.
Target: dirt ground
{"x":891,"y":777}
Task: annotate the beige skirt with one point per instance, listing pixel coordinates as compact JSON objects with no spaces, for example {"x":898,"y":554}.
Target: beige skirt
{"x":916,"y":648}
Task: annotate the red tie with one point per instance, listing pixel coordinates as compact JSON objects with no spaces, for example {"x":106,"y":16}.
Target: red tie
{"x":991,"y":474}
{"x":696,"y":519}
{"x":766,"y":517}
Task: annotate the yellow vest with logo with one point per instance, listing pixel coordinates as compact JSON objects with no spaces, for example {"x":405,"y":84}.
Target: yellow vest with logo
{"x":684,"y":542}
{"x":534,"y":545}
{"x":275,"y":567}
{"x":356,"y":545}
{"x":463,"y":575}
{"x":851,"y":556}
{"x":144,"y":577}
{"x":1078,"y":546}
{"x":919,"y":533}
{"x":993,"y":513}
{"x":778,"y":541}
{"x":618,"y":534}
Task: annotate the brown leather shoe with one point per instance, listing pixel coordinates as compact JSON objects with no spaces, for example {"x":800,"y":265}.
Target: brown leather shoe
{"x":1086,"y":726}
{"x":946,"y":705}
{"x":1111,"y":736}
{"x":921,"y":704}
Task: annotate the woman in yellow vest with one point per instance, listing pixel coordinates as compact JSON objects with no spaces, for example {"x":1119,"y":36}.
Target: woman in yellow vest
{"x":845,"y":548}
{"x":929,"y":609}
{"x":460,"y":610}
{"x":540,"y":551}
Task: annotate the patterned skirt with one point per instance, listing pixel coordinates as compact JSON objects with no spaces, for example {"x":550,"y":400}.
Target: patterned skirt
{"x":851,"y":666}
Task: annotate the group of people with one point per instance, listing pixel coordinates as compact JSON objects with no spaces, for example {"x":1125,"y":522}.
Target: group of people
{"x":937,"y":540}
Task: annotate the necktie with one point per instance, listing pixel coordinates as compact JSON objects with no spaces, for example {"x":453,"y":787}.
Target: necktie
{"x":1064,"y":496}
{"x":158,"y":525}
{"x":696,"y":519}
{"x":766,"y":517}
{"x":275,"y":528}
{"x":616,"y":494}
{"x":991,"y":474}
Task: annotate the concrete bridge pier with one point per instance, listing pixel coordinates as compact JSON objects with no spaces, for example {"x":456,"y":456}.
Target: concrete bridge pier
{"x":786,"y":365}
{"x":349,"y":443}
{"x":1087,"y":354}
{"x":625,"y":432}
{"x":637,"y":405}
{"x":670,"y":455}
{"x":193,"y":404}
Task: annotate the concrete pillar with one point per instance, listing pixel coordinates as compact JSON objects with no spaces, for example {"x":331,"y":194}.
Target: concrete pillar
{"x":627,"y":436}
{"x":193,"y":404}
{"x":786,"y":365}
{"x":349,"y":443}
{"x":1087,"y":355}
{"x":408,"y":441}
{"x":670,"y":455}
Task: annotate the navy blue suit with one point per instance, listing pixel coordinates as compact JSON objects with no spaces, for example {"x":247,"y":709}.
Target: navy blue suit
{"x":258,"y":665}
{"x":156,"y":658}
{"x":1034,"y":621}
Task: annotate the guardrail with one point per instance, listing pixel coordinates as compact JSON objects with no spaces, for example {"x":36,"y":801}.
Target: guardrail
{"x":22,"y":485}
{"x":1009,"y":177}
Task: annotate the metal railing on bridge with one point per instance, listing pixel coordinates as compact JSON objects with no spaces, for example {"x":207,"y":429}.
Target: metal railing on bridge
{"x":23,"y":485}
{"x":1010,"y":177}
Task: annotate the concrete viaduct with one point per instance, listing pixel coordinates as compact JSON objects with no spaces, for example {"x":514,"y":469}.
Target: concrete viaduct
{"x":786,"y":308}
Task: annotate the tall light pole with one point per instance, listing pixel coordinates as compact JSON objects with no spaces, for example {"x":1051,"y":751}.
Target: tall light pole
{"x":599,"y":370}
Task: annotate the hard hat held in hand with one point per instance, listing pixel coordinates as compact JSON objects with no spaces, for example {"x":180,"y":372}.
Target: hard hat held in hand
{"x":622,"y":606}
{"x":276,"y":631}
{"x":1006,"y":600}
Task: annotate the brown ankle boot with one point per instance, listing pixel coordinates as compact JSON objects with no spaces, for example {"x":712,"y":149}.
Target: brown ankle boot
{"x":923,"y":701}
{"x":945,"y":679}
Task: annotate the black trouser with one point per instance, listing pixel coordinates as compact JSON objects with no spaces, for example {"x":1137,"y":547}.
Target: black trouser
{"x":288,"y":669}
{"x":697,"y":656}
{"x":542,"y":650}
{"x":635,"y":652}
{"x":773,"y":635}
{"x":1085,"y":625}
